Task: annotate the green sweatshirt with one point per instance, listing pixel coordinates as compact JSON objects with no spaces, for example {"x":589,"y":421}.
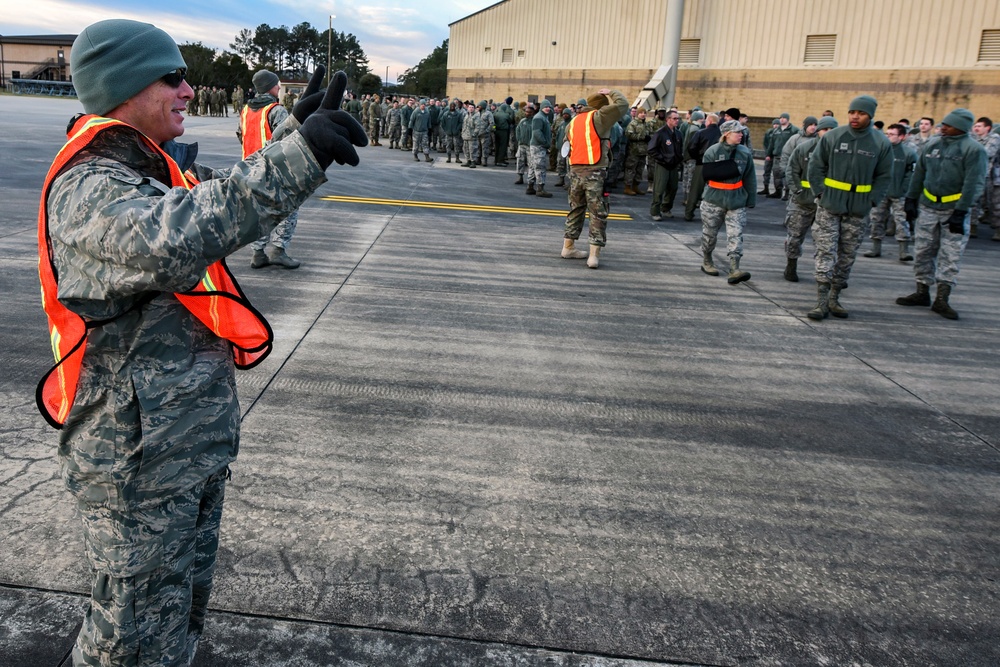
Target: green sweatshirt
{"x":904,"y":160}
{"x":950,"y":166}
{"x":857,"y":159}
{"x":798,"y":168}
{"x":743,"y":196}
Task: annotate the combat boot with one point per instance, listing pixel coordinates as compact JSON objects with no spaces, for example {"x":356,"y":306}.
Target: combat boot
{"x":520,"y":180}
{"x":449,"y":160}
{"x":467,"y":163}
{"x":835,"y":308}
{"x":822,"y":308}
{"x":791,"y":270}
{"x":735,"y":275}
{"x":629,"y":190}
{"x":562,"y":182}
{"x":940,"y":305}
{"x":784,"y":196}
{"x":594,"y":260}
{"x":259,"y":260}
{"x":542,"y":193}
{"x":279,"y":257}
{"x":973,"y":230}
{"x":472,"y":165}
{"x":766,"y":191}
{"x":707,"y":264}
{"x":996,"y":235}
{"x":904,"y":252}
{"x":530,"y":189}
{"x":775,"y":195}
{"x":876,"y":250}
{"x":416,"y":157}
{"x":428,"y":158}
{"x":570,"y":251}
{"x":922,"y":297}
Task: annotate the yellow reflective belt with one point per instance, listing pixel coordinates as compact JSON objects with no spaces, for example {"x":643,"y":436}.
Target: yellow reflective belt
{"x":947,"y":199}
{"x":847,"y":187}
{"x":804,"y":184}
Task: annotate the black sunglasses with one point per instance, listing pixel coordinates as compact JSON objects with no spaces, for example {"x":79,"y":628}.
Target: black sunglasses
{"x":174,"y":78}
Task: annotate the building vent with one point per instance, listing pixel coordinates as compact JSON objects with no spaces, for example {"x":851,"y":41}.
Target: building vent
{"x":507,"y":56}
{"x":989,"y":47}
{"x":520,"y":53}
{"x":690,"y":52}
{"x":820,"y":48}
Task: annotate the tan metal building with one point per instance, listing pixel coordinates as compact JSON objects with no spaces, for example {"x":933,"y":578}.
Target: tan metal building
{"x":38,"y":57}
{"x":918,"y":57}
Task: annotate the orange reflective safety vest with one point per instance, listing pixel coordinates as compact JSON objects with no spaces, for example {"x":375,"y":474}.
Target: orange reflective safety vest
{"x":217,"y":301}
{"x":584,"y":144}
{"x":255,"y":129}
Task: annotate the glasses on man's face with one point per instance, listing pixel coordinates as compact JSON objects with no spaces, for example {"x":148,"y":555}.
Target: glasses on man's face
{"x":174,"y":78}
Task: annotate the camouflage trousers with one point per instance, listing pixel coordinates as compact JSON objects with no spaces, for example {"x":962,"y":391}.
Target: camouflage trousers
{"x":561,"y":165}
{"x":485,"y":146}
{"x":936,"y":251}
{"x":523,"y":155}
{"x":148,"y":603}
{"x":987,"y":210}
{"x":688,"y":174}
{"x":538,"y":162}
{"x":281,"y":235}
{"x":586,"y":193}
{"x":779,"y":174}
{"x":373,"y":128}
{"x":634,"y":164}
{"x":837,"y":238}
{"x":768,"y":167}
{"x":890,"y":206}
{"x":421,"y":143}
{"x":395,"y":133}
{"x":471,"y":149}
{"x":453,"y":144}
{"x":712,"y":218}
{"x":798,"y":221}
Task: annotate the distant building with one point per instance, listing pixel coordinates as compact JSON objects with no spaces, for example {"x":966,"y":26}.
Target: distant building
{"x":40,"y":57}
{"x":918,"y":57}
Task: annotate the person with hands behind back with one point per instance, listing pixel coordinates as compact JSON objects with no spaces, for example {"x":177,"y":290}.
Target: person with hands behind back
{"x":147,"y":326}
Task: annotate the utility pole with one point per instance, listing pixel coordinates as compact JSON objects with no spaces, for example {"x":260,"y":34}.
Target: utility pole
{"x":329,"y":47}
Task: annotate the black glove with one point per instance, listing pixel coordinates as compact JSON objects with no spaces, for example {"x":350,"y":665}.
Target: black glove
{"x":910,"y":208}
{"x":956,"y":223}
{"x":311,"y":97}
{"x":330,"y":133}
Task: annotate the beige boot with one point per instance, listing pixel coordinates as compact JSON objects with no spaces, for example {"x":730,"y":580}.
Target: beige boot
{"x":570,"y":252}
{"x":707,"y":264}
{"x":594,"y":260}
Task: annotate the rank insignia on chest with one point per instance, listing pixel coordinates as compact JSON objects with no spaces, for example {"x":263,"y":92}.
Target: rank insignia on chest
{"x":844,"y":147}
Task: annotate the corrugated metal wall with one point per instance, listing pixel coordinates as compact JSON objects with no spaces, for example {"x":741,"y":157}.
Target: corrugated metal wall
{"x":750,"y":34}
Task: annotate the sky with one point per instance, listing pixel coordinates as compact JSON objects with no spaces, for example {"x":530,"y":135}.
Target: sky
{"x":394,"y":33}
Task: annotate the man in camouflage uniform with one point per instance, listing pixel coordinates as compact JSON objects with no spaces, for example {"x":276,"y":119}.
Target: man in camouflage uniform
{"x":923,"y":133}
{"x":587,"y":172}
{"x":904,"y":159}
{"x":696,"y":125}
{"x":451,"y":128}
{"x":203,"y":100}
{"x":658,"y":120}
{"x":237,"y":99}
{"x":420,"y":123}
{"x":270,"y":249}
{"x":779,"y":138}
{"x":288,"y":100}
{"x":374,"y":120}
{"x":469,"y":142}
{"x":985,"y":209}
{"x":522,"y":134}
{"x":850,"y":171}
{"x":395,"y":118}
{"x":801,"y":211}
{"x":947,"y":181}
{"x":559,"y":138}
{"x":153,"y":420}
{"x":637,"y":135}
{"x":483,"y":133}
{"x":808,"y":130}
{"x":538,"y":153}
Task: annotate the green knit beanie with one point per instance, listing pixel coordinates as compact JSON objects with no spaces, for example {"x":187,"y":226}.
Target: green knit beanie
{"x":114,"y":60}
{"x":865,"y":103}
{"x":264,"y":81}
{"x":960,"y":119}
{"x":826,"y":123}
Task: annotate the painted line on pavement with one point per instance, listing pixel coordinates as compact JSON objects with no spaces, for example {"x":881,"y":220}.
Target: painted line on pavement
{"x":459,"y":207}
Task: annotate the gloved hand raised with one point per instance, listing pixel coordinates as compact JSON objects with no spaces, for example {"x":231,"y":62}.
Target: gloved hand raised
{"x":956,"y":223}
{"x":312,"y":96}
{"x":910,"y":208}
{"x":331,"y":133}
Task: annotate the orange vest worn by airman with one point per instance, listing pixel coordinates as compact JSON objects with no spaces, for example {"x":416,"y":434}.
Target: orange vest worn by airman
{"x":584,"y":144}
{"x":255,"y":129}
{"x":217,"y":301}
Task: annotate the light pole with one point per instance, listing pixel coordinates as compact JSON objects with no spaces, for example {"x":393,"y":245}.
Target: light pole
{"x":329,"y":47}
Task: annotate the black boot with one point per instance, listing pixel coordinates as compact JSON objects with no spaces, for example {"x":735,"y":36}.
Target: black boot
{"x":940,"y":305}
{"x":791,"y":270}
{"x":922,"y":297}
{"x":766,"y":191}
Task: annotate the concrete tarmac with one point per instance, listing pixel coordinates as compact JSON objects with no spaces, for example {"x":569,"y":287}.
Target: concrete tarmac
{"x":466,"y":450}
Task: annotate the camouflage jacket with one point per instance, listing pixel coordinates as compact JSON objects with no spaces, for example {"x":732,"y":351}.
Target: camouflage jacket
{"x":484,"y":123}
{"x":469,"y":125}
{"x":156,"y":409}
{"x":638,"y":133}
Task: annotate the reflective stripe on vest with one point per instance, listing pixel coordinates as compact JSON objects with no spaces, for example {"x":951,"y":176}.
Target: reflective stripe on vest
{"x":846,"y":187}
{"x":804,"y":184}
{"x":217,"y":301}
{"x":255,"y":129}
{"x":719,"y":185}
{"x":584,"y":144}
{"x":947,"y":199}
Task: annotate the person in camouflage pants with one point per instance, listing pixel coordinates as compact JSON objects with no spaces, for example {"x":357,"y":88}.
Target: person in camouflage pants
{"x":150,"y":417}
{"x":637,"y":133}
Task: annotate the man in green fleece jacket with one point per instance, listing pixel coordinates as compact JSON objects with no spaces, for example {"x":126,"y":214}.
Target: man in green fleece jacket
{"x":948,"y":181}
{"x":850,"y":171}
